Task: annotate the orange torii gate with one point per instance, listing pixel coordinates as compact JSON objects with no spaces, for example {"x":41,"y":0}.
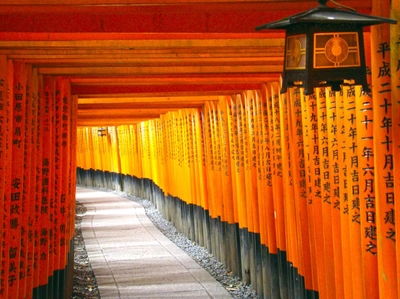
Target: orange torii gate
{"x":297,"y":195}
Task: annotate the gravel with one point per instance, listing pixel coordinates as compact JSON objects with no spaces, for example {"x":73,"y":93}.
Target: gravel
{"x":85,"y":285}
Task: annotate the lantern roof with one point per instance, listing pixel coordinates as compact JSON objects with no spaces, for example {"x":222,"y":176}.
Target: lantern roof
{"x":325,"y":14}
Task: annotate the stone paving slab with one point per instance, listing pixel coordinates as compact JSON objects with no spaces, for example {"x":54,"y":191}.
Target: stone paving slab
{"x":131,"y":258}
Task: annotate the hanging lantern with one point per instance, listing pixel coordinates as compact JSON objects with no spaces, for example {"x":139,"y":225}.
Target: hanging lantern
{"x":325,"y":47}
{"x":101,"y":132}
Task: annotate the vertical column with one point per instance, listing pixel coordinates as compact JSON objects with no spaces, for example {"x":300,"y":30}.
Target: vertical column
{"x":46,"y":177}
{"x":277,"y":170}
{"x":283,"y":166}
{"x":59,"y":178}
{"x":170,"y":150}
{"x":17,"y":196}
{"x":209,"y":151}
{"x":385,"y":197}
{"x":65,"y":211}
{"x":352,"y":164}
{"x":217,"y":166}
{"x":393,"y":182}
{"x":344,"y":195}
{"x":251,"y":183}
{"x":123,"y":137}
{"x":3,"y":163}
{"x":62,"y":198}
{"x":244,"y":209}
{"x":26,"y":241}
{"x":225,"y":161}
{"x":260,"y":165}
{"x":277,"y":183}
{"x":300,"y":193}
{"x":250,"y":159}
{"x":311,"y":153}
{"x":234,"y":158}
{"x":290,"y":217}
{"x":32,"y":221}
{"x":38,"y":184}
{"x":326,"y":191}
{"x":200,"y":161}
{"x":70,"y":224}
{"x":365,"y":154}
{"x":160,"y":154}
{"x":335,"y":188}
{"x":272,"y":263}
{"x":186,"y":162}
{"x":6,"y":114}
{"x":165,"y":153}
{"x":192,"y":153}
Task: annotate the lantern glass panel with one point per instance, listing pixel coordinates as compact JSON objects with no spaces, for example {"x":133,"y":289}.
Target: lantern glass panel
{"x":296,"y":52}
{"x":336,"y":50}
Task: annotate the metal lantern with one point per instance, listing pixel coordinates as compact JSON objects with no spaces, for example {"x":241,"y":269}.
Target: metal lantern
{"x":102,"y":132}
{"x":325,"y":47}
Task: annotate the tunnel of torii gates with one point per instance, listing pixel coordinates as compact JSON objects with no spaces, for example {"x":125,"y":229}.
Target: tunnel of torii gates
{"x":294,"y":194}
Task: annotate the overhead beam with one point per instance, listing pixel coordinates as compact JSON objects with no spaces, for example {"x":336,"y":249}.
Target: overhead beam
{"x":168,"y":94}
{"x":133,"y":60}
{"x":152,"y":2}
{"x":198,"y":79}
{"x":81,"y":90}
{"x":144,"y":104}
{"x":124,"y":53}
{"x":123,"y":113}
{"x":104,"y":122}
{"x":174,"y":42}
{"x":150,"y":16}
{"x":154,"y":61}
{"x":149,"y":70}
{"x":124,"y":2}
{"x":162,"y":99}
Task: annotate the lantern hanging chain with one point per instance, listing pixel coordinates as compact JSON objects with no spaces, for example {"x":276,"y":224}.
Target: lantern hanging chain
{"x":342,"y":6}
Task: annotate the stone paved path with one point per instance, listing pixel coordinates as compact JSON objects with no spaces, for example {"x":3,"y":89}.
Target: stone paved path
{"x":131,"y":258}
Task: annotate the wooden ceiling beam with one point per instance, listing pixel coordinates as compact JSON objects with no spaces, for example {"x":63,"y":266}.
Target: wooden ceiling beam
{"x":107,"y":3}
{"x":123,"y":113}
{"x":148,"y":70}
{"x":134,"y":60}
{"x":176,"y":79}
{"x":156,"y":100}
{"x":164,"y":94}
{"x":154,"y":61}
{"x":156,"y":17}
{"x":157,"y":89}
{"x":144,"y":104}
{"x":128,"y":116}
{"x":106,"y":122}
{"x":126,"y":2}
{"x":25,"y":36}
{"x":235,"y":42}
{"x":56,"y":53}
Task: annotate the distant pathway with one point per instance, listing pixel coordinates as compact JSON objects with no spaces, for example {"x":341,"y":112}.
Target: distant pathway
{"x":131,"y":258}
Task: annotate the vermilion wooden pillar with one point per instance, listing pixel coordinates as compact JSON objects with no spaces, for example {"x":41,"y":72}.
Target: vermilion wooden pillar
{"x":384,"y":134}
{"x":15,"y":224}
{"x":395,"y":76}
{"x":65,"y":200}
{"x":26,"y":240}
{"x":3,"y":160}
{"x":33,"y":106}
{"x":38,"y":185}
{"x":45,"y":258}
{"x":6,"y":82}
